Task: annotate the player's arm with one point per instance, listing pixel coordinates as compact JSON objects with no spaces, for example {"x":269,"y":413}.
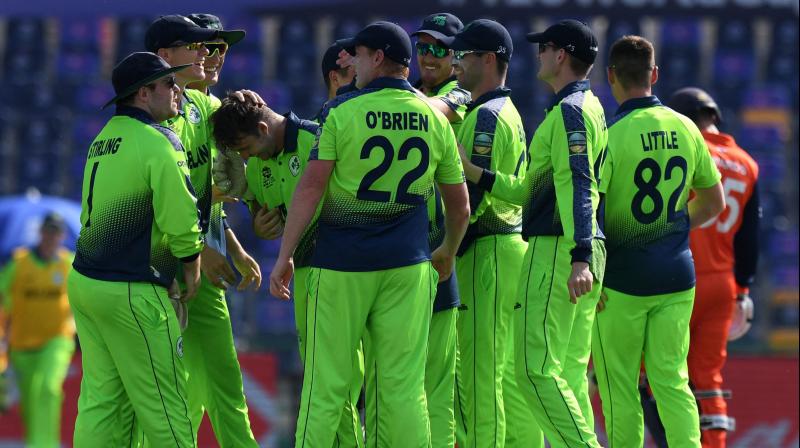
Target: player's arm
{"x":175,"y":211}
{"x":452,"y":104}
{"x":309,"y":192}
{"x":449,"y":176}
{"x":7,"y":274}
{"x":709,"y":200}
{"x":745,"y":242}
{"x":245,"y":264}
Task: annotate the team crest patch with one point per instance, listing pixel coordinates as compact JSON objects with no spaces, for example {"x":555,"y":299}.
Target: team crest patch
{"x":194,"y":114}
{"x":483,"y":142}
{"x":440,"y":20}
{"x":576,"y":142}
{"x":294,"y":165}
{"x":266,"y":175}
{"x":179,"y":347}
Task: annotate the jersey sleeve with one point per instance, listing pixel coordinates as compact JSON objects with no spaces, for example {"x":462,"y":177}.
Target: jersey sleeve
{"x":456,"y":99}
{"x":606,"y":171}
{"x":174,"y":203}
{"x":706,"y":174}
{"x":508,"y":157}
{"x":745,"y":242}
{"x":325,"y":145}
{"x":449,"y":170}
{"x":6,"y":278}
{"x":572,"y":178}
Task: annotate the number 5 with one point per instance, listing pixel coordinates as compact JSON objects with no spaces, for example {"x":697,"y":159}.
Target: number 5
{"x":731,"y":203}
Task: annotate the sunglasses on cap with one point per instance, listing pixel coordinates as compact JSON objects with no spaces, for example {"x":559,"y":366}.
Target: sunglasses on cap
{"x":461,"y":54}
{"x":194,"y":46}
{"x":436,"y":51}
{"x":216,"y":47}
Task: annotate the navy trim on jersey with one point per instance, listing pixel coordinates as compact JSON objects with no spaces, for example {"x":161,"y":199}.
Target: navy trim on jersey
{"x":447,"y":294}
{"x":580,"y":166}
{"x":668,"y":259}
{"x":638,"y":103}
{"x":436,"y":89}
{"x":294,"y":125}
{"x":499,"y":92}
{"x":569,"y":89}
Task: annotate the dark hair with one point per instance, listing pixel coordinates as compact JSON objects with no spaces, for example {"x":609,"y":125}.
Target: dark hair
{"x":578,"y":67}
{"x":632,"y":58}
{"x":236,"y":119}
{"x":340,"y":71}
{"x":502,"y":66}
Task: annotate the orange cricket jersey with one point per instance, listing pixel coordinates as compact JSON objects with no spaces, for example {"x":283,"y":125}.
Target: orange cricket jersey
{"x":712,"y":243}
{"x":39,"y":309}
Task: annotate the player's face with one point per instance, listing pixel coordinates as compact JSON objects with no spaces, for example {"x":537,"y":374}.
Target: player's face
{"x":195,"y":54}
{"x":212,"y":66}
{"x":548,"y":61}
{"x":51,"y":239}
{"x":164,"y":98}
{"x":469,"y":70}
{"x":365,"y":64}
{"x":435,"y":62}
{"x":260,"y":145}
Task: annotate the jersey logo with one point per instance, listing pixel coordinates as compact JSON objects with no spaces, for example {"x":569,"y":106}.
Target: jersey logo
{"x":439,"y":20}
{"x":156,"y":274}
{"x":483,"y":142}
{"x":179,"y":347}
{"x":576,"y":142}
{"x":57,"y":278}
{"x":266,"y":175}
{"x":294,"y":165}
{"x":194,"y":114}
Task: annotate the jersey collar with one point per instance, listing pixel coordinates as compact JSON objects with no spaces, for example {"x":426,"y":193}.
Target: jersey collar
{"x":290,"y":134}
{"x":488,"y":96}
{"x":389,"y":83}
{"x":638,"y":103}
{"x":569,"y":89}
{"x":436,"y":89}
{"x":719,"y":139}
{"x":136,"y":113}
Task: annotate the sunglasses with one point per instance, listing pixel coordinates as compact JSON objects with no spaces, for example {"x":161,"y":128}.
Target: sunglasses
{"x":169,"y":82}
{"x":544,"y":47}
{"x":217,"y":47}
{"x":459,"y":55}
{"x":194,"y":46}
{"x":435,"y":50}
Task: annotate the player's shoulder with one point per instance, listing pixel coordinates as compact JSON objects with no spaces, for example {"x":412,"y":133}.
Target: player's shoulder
{"x":20,"y":253}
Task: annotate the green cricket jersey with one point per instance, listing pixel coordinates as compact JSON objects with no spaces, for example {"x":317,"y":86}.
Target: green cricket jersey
{"x":446,"y":91}
{"x":274,"y":181}
{"x":559,"y":191}
{"x":655,"y":157}
{"x":494,"y":139}
{"x":193,"y":127}
{"x":390,"y":147}
{"x":139,"y":213}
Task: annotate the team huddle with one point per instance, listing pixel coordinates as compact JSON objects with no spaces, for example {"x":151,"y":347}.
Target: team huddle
{"x":458,"y":278}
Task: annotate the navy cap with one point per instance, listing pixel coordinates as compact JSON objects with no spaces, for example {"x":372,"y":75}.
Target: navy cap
{"x":386,"y":36}
{"x":137,"y":70}
{"x":442,"y":27}
{"x":173,"y":30}
{"x":54,"y":221}
{"x":212,"y":22}
{"x":485,"y":35}
{"x":329,"y":59}
{"x":575,"y":37}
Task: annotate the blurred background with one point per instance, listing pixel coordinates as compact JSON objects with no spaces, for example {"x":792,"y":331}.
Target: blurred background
{"x":55,"y":64}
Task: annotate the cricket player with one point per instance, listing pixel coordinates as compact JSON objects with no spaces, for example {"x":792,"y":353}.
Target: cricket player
{"x":33,"y":290}
{"x":335,"y":73}
{"x":140,"y":222}
{"x":725,"y":254}
{"x":215,"y":378}
{"x":655,"y":158}
{"x":490,"y":257}
{"x":564,"y":263}
{"x":277,"y":148}
{"x":379,"y":152}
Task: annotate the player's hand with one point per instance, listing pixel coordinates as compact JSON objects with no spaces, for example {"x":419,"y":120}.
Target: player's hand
{"x":181,"y":311}
{"x":191,"y":277}
{"x":601,"y":304}
{"x":742,"y":317}
{"x":280,"y":277}
{"x":245,"y":95}
{"x":218,"y":196}
{"x":580,"y":281}
{"x":443,"y":263}
{"x":249,"y":270}
{"x":345,"y":59}
{"x":216,"y":268}
{"x":268,"y":224}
